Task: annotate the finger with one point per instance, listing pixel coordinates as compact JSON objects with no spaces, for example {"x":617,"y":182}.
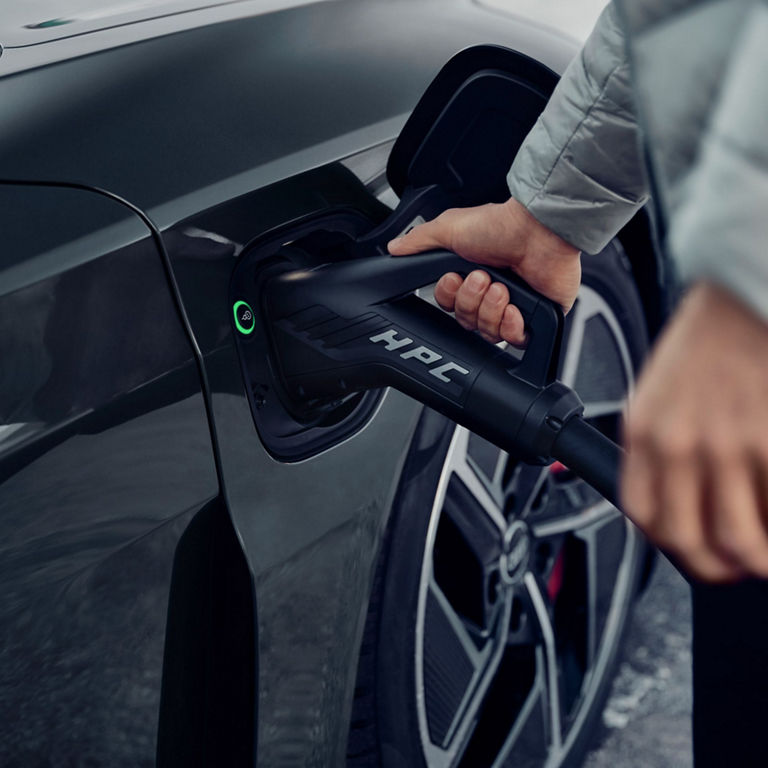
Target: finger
{"x":736,"y":526}
{"x":760,"y":470}
{"x":512,"y":328}
{"x":421,"y":238}
{"x":468,"y":298}
{"x":445,"y":290}
{"x":636,"y":491}
{"x":662,"y":493}
{"x":680,"y":523}
{"x":491,"y":312}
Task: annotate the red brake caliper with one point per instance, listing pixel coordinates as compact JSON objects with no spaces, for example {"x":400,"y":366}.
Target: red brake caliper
{"x":555,"y":582}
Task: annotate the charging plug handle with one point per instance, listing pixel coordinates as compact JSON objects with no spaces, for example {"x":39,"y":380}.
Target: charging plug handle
{"x":354,"y":325}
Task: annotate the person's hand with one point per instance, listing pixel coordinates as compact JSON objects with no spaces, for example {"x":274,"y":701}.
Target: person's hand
{"x":696,"y":475}
{"x":499,"y":235}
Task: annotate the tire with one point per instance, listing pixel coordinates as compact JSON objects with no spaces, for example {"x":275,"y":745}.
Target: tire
{"x":503,"y":590}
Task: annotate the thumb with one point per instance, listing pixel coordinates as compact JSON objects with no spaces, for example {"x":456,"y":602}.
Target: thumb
{"x":421,"y":238}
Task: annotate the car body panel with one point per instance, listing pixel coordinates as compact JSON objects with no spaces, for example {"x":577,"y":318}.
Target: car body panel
{"x":243,"y":103}
{"x":310,"y":543}
{"x":40,"y":22}
{"x":105,"y":458}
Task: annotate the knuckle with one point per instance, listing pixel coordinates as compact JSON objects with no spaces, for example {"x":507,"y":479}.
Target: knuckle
{"x":723,"y":446}
{"x":467,"y":301}
{"x":489,"y":318}
{"x":760,"y":452}
{"x":727,"y":542}
{"x":465,"y":320}
{"x":512,"y":319}
{"x":741,"y":546}
{"x":477,"y":281}
{"x":635,"y":500}
{"x":682,"y":541}
{"x":489,"y":329}
{"x":680,"y":535}
{"x":676,"y":445}
{"x":448,"y":215}
{"x":450,"y":281}
{"x":497,"y":296}
{"x":640,"y":514}
{"x":710,"y":570}
{"x":638,"y":428}
{"x":636,"y":506}
{"x":513,"y":327}
{"x":670,"y":440}
{"x":446,"y":289}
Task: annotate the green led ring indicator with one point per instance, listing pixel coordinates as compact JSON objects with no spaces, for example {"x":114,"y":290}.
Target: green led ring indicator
{"x":245,"y":320}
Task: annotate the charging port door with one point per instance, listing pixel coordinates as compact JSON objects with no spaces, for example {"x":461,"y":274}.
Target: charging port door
{"x":455,"y":150}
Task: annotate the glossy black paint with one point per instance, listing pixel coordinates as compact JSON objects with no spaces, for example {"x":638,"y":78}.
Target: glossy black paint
{"x":108,"y":462}
{"x":208,"y":702}
{"x":467,"y":126}
{"x":309,"y":530}
{"x":181,"y":114}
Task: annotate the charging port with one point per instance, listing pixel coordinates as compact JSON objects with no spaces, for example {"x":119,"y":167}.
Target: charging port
{"x":293,"y":428}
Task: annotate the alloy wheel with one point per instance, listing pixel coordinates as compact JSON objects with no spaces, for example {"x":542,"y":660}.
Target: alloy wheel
{"x":525,"y":581}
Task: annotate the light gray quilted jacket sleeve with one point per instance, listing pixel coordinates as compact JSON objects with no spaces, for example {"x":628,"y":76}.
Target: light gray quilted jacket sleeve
{"x":579,"y":170}
{"x":720,"y":230}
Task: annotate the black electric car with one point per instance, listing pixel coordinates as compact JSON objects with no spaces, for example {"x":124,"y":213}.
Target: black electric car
{"x":196,"y":568}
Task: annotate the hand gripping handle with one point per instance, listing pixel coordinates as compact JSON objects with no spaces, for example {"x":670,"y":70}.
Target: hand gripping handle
{"x":355,"y":324}
{"x":348,"y":288}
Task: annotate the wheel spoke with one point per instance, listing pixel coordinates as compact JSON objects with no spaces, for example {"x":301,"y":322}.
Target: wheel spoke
{"x":456,"y":624}
{"x":474,"y":518}
{"x":482,"y":497}
{"x":550,"y":658}
{"x":452,"y":654}
{"x":589,"y":304}
{"x":488,"y":461}
{"x":600,"y":573}
{"x":597,"y":515}
{"x":588,"y":535}
{"x":527,"y":489}
{"x":581,"y":312}
{"x":520,"y":735}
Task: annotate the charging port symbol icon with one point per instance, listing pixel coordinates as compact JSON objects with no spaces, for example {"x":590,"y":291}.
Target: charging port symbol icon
{"x":244,"y":319}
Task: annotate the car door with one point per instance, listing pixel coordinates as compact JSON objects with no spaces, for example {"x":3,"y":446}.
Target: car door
{"x":106,"y":477}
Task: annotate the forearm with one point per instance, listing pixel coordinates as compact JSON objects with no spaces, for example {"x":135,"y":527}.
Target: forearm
{"x":579,"y":171}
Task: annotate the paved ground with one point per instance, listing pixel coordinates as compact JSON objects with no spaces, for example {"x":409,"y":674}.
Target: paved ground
{"x":647,"y":721}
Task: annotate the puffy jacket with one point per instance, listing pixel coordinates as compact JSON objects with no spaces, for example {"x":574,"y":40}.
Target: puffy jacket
{"x":672,"y":96}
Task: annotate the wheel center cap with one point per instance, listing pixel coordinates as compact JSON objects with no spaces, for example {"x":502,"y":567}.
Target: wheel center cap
{"x":515,"y":554}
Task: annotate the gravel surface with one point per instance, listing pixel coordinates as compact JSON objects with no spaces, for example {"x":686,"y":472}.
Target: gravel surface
{"x":647,"y":720}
